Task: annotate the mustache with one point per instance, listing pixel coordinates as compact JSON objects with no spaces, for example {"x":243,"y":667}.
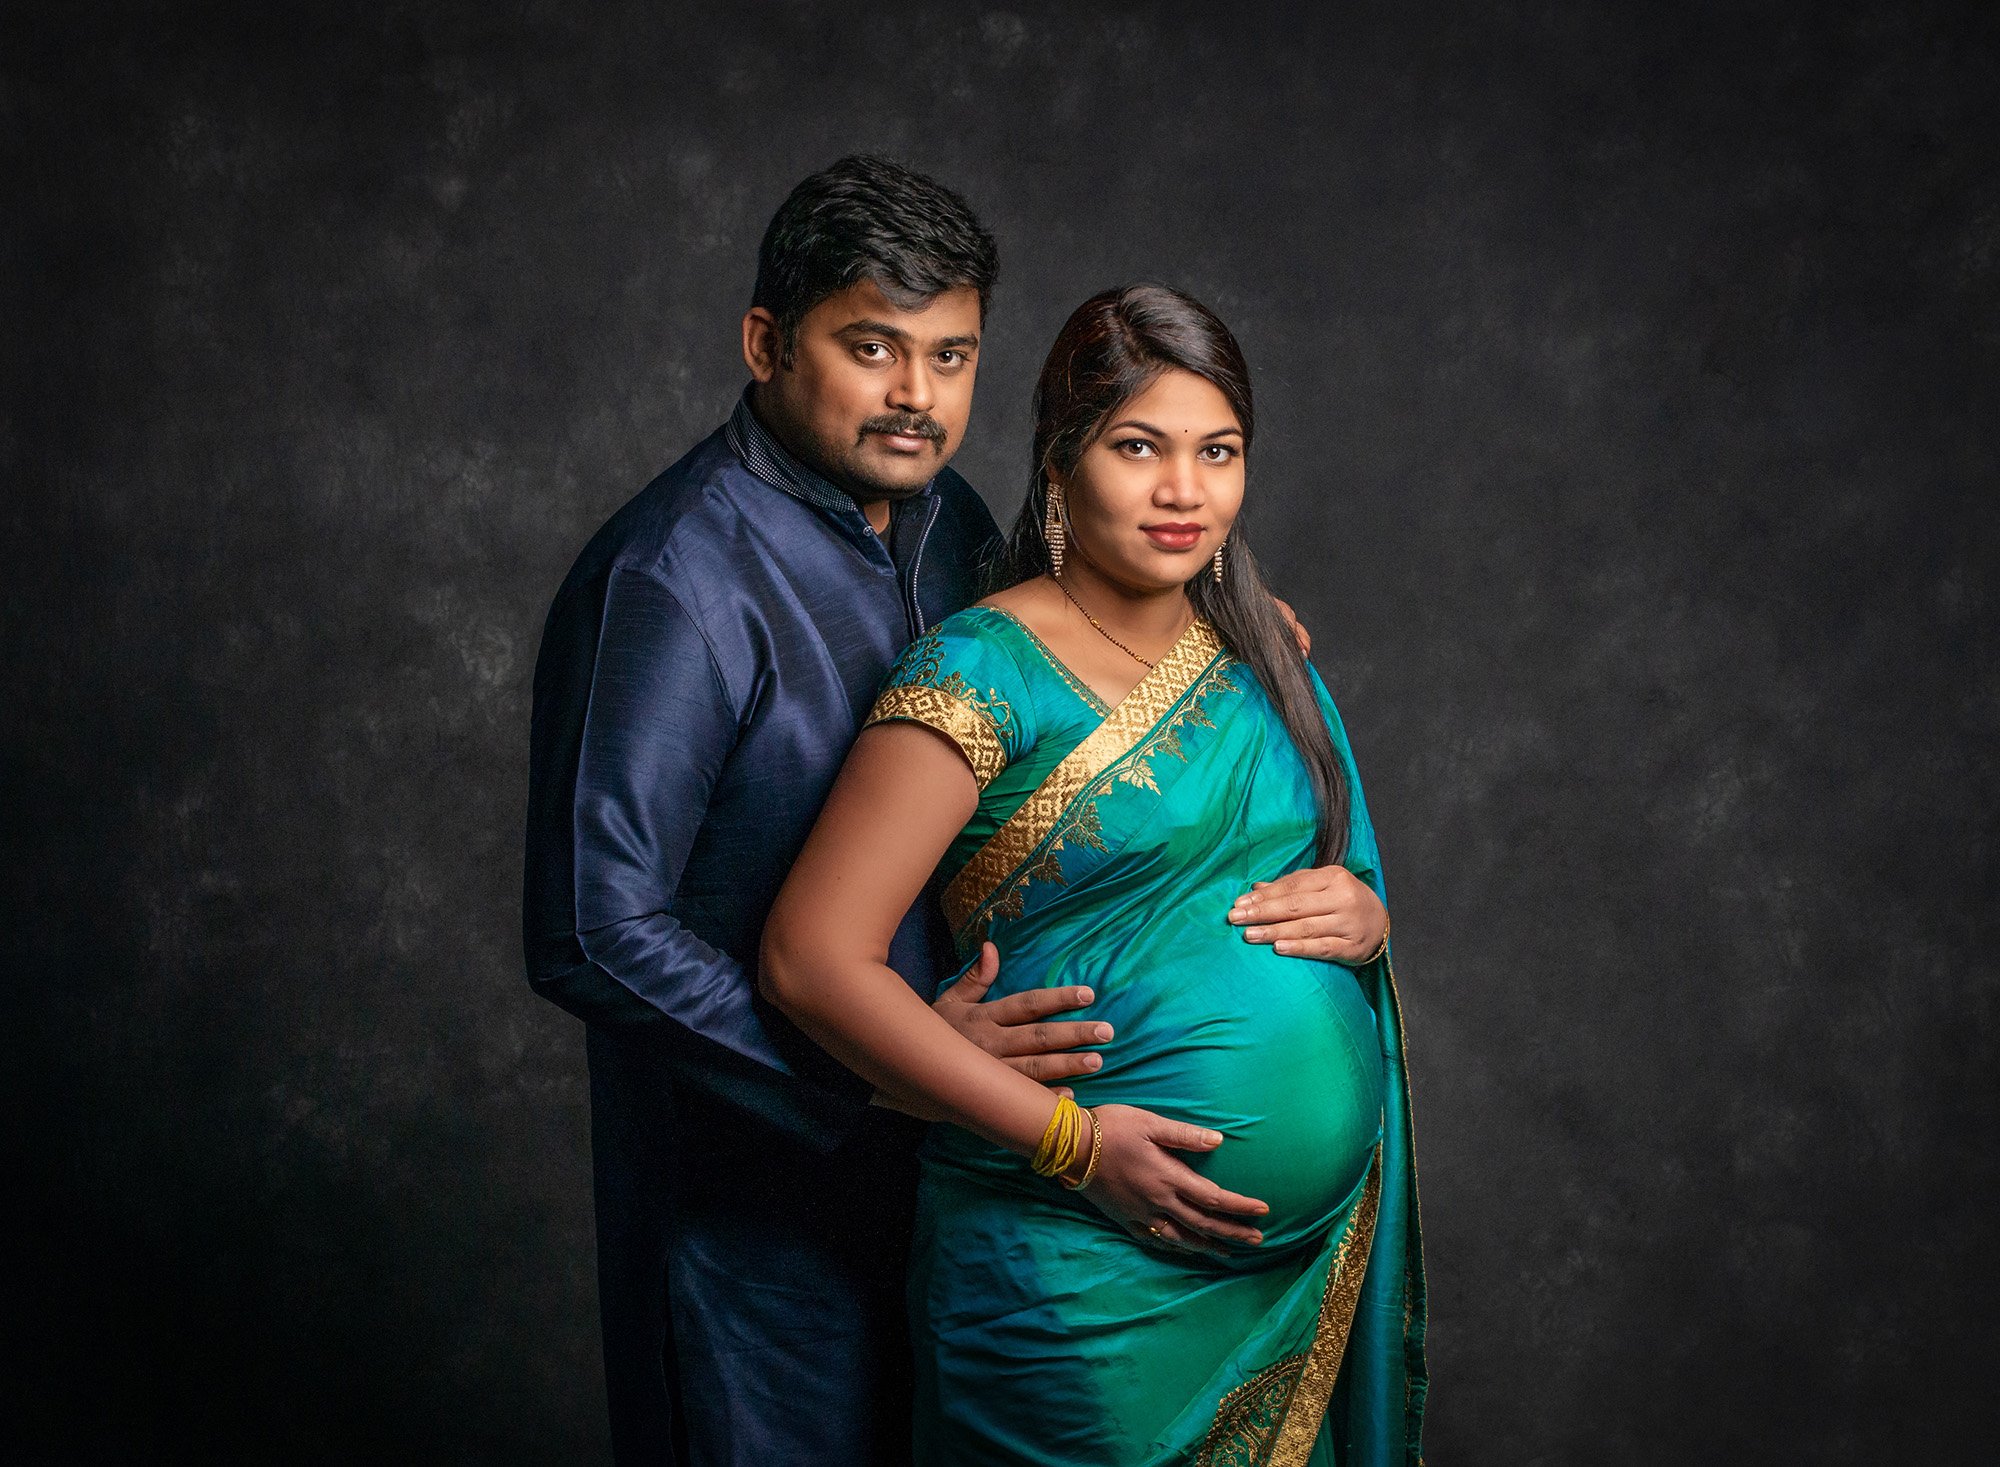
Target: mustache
{"x":914,"y":425}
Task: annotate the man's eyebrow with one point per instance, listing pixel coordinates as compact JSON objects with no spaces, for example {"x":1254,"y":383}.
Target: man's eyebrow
{"x":873,"y":328}
{"x":1162,"y":432}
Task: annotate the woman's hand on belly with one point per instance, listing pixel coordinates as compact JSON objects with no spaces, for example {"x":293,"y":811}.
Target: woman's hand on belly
{"x":1143,"y":1187}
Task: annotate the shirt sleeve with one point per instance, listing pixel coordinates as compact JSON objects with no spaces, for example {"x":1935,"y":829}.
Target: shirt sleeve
{"x":967,"y":687}
{"x":634,"y":729}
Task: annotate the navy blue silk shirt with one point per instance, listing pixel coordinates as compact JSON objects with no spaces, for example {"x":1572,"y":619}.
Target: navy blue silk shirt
{"x":704,"y":668}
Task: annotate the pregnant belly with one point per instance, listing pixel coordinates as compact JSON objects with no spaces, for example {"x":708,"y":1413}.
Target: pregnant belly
{"x":1293,"y":1080}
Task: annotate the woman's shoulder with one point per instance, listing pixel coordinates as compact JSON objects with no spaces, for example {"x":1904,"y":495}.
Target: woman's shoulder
{"x":999,"y":627}
{"x":978,"y":644}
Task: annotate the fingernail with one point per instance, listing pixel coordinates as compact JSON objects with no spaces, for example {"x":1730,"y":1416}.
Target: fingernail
{"x":1255,"y":934}
{"x":1213,"y":1138}
{"x":1084,"y":995}
{"x":1093,"y":1062}
{"x":1101,"y":1033}
{"x":1256,"y":1237}
{"x":1287,"y":948}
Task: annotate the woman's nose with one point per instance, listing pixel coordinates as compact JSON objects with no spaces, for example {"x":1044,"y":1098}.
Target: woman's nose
{"x":1179,"y":485}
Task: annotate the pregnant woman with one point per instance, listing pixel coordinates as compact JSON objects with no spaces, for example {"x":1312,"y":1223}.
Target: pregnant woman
{"x":1209,"y":1253}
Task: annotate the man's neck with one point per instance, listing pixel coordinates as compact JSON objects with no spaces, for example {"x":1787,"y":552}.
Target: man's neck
{"x":875,"y":511}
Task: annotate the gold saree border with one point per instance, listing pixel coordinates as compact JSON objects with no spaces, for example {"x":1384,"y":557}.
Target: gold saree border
{"x":1150,"y":700}
{"x":1273,"y":1419}
{"x":954,"y":716}
{"x":1336,"y":1321}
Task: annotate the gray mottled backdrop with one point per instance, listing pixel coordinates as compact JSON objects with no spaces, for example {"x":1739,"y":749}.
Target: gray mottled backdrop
{"x":1628,"y":385}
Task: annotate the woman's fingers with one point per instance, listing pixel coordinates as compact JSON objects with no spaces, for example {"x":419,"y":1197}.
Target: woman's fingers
{"x":1199,"y":1192}
{"x":1180,"y":1136}
{"x":1295,"y":894}
{"x":1213,"y":1228}
{"x":1339,"y":926}
{"x":1168,"y":1233}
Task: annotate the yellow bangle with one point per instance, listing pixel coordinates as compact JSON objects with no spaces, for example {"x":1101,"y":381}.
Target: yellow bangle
{"x":1057,"y":1152}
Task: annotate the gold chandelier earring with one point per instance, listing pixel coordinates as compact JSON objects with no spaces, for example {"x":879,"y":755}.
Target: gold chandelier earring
{"x":1217,"y":570}
{"x":1053,"y":529}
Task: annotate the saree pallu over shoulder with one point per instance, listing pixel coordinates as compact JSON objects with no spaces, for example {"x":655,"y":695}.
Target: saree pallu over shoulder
{"x":1145,"y":724}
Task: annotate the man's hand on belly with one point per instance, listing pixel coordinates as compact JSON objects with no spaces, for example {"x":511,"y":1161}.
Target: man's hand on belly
{"x":1320,"y":912}
{"x":1017,"y":1028}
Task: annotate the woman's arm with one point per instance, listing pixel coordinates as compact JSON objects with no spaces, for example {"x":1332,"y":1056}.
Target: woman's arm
{"x":903,"y":794}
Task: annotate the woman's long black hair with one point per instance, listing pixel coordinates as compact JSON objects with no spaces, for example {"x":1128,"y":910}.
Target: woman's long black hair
{"x":1111,"y":349}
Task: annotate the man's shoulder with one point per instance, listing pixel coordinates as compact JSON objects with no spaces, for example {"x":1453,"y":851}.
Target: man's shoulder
{"x":695,"y":495}
{"x":687,"y":521}
{"x":963,"y":509}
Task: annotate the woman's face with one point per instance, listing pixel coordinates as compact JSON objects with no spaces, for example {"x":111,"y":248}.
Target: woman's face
{"x":1156,"y":492}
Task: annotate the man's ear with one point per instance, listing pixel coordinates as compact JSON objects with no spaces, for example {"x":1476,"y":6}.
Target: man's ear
{"x":762,"y":343}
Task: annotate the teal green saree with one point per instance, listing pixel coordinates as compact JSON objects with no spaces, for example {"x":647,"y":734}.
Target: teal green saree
{"x":1107,"y":846}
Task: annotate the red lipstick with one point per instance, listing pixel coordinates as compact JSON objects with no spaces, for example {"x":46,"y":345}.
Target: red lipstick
{"x":1173,"y":536}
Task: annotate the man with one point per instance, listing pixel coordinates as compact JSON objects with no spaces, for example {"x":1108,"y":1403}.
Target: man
{"x":703,"y":670}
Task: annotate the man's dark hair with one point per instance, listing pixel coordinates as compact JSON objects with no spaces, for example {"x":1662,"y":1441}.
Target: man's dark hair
{"x":866,"y":218}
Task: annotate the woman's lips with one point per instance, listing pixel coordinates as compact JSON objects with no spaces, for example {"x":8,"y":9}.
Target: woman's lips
{"x":1173,"y":537}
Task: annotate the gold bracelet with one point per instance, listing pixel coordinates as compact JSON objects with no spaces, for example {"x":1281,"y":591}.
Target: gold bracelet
{"x":1380,"y":950}
{"x":1096,"y":1150}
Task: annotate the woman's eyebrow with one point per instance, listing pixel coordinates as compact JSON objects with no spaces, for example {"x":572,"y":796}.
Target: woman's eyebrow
{"x":1162,"y":433}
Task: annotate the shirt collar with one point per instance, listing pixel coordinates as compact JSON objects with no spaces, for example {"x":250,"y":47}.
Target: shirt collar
{"x":777,"y":466}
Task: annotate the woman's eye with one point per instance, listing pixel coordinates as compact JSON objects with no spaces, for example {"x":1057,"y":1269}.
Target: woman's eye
{"x":1219,"y":453}
{"x":1136,"y":448}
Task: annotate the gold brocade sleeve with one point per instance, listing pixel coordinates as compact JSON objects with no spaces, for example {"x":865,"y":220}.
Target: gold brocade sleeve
{"x":955,"y":716}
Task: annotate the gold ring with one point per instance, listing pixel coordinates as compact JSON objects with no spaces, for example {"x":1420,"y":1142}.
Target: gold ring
{"x":1154,"y":1230}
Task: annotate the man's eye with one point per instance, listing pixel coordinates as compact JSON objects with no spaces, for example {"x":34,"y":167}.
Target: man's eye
{"x":950,"y":358}
{"x":874,"y":351}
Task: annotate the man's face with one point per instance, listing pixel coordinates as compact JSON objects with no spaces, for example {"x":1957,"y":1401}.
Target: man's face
{"x":876,"y":397}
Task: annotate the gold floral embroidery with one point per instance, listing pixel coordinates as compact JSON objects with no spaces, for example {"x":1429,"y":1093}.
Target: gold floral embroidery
{"x":1165,"y":740}
{"x":986,"y":876}
{"x":920,"y":690}
{"x":1273,"y":1419}
{"x":1249,"y":1418}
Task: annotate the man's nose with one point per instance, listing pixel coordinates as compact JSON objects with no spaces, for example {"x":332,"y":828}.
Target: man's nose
{"x":911,"y":391}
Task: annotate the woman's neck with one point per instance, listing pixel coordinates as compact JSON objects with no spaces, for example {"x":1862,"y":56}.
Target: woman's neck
{"x":1154,"y":617}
